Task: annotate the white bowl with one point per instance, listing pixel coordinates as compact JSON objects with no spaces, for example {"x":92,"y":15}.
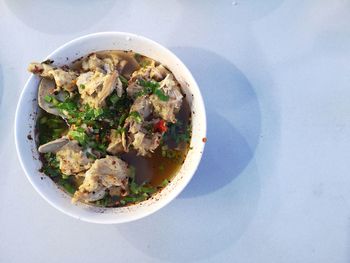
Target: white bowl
{"x":26,"y":115}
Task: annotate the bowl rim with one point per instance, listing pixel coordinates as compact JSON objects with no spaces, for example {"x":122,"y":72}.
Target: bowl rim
{"x":175,"y":191}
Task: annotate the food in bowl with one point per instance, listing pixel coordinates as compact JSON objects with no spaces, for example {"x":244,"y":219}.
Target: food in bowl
{"x":114,"y":127}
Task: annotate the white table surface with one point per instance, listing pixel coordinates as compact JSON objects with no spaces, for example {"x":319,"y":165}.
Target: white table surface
{"x":274,"y":183}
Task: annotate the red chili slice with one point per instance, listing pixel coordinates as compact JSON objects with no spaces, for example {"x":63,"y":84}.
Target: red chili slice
{"x":160,"y":126}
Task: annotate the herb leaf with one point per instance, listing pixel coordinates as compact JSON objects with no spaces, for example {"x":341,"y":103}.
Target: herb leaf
{"x":178,"y":132}
{"x":79,"y":136}
{"x":151,"y":87}
{"x":138,"y":192}
{"x":124,"y":81}
{"x":136,"y":116}
{"x":165,"y":183}
{"x":67,"y":186}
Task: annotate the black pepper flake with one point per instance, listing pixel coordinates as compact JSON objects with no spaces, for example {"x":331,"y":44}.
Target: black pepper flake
{"x":29,"y":137}
{"x":48,"y":61}
{"x":77,"y":60}
{"x":65,"y":67}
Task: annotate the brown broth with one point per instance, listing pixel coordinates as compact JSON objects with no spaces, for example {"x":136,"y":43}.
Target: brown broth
{"x":156,"y":169}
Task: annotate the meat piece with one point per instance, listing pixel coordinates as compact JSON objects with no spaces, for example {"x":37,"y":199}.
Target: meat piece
{"x":118,"y":142}
{"x":141,"y":136}
{"x":140,"y":131}
{"x":150,"y":72}
{"x":143,"y":106}
{"x":146,"y":143}
{"x":143,"y":72}
{"x":64,"y":79}
{"x":95,"y":87}
{"x":133,"y":88}
{"x":168,"y":109}
{"x":53,"y":146}
{"x":72,"y":159}
{"x":47,"y":87}
{"x":121,"y":65}
{"x":106,"y":63}
{"x":159,"y":73}
{"x":103,"y":174}
{"x":93,"y":63}
{"x":120,"y":89}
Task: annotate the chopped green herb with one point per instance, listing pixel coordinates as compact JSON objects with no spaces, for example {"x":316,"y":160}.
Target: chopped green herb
{"x":144,"y":63}
{"x":91,"y":156}
{"x":178,"y":132}
{"x":104,"y":201}
{"x":138,"y":192}
{"x":136,"y":116}
{"x":165,"y":183}
{"x":124,"y":81}
{"x":98,"y":112}
{"x":132,"y":171}
{"x":149,"y":84}
{"x":82,"y":86}
{"x":51,"y":127}
{"x":80,"y":136}
{"x":122,"y":119}
{"x":64,"y":176}
{"x":138,"y":57}
{"x":114,"y":98}
{"x":151,"y":87}
{"x":51,"y":165}
{"x":134,"y":188}
{"x":170,"y":153}
{"x":67,"y":186}
{"x":147,"y":189}
{"x":160,"y":94}
{"x":120,"y":130}
{"x":43,"y":120}
{"x":48,"y":98}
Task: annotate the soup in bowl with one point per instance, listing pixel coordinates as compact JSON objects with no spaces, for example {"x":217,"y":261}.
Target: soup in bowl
{"x":110,"y":127}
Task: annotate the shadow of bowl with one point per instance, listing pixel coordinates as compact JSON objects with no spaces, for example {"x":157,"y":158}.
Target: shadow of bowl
{"x":233,"y":118}
{"x":226,"y":155}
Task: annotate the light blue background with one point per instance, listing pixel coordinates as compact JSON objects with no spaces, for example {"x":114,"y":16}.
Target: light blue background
{"x":274,"y":183}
